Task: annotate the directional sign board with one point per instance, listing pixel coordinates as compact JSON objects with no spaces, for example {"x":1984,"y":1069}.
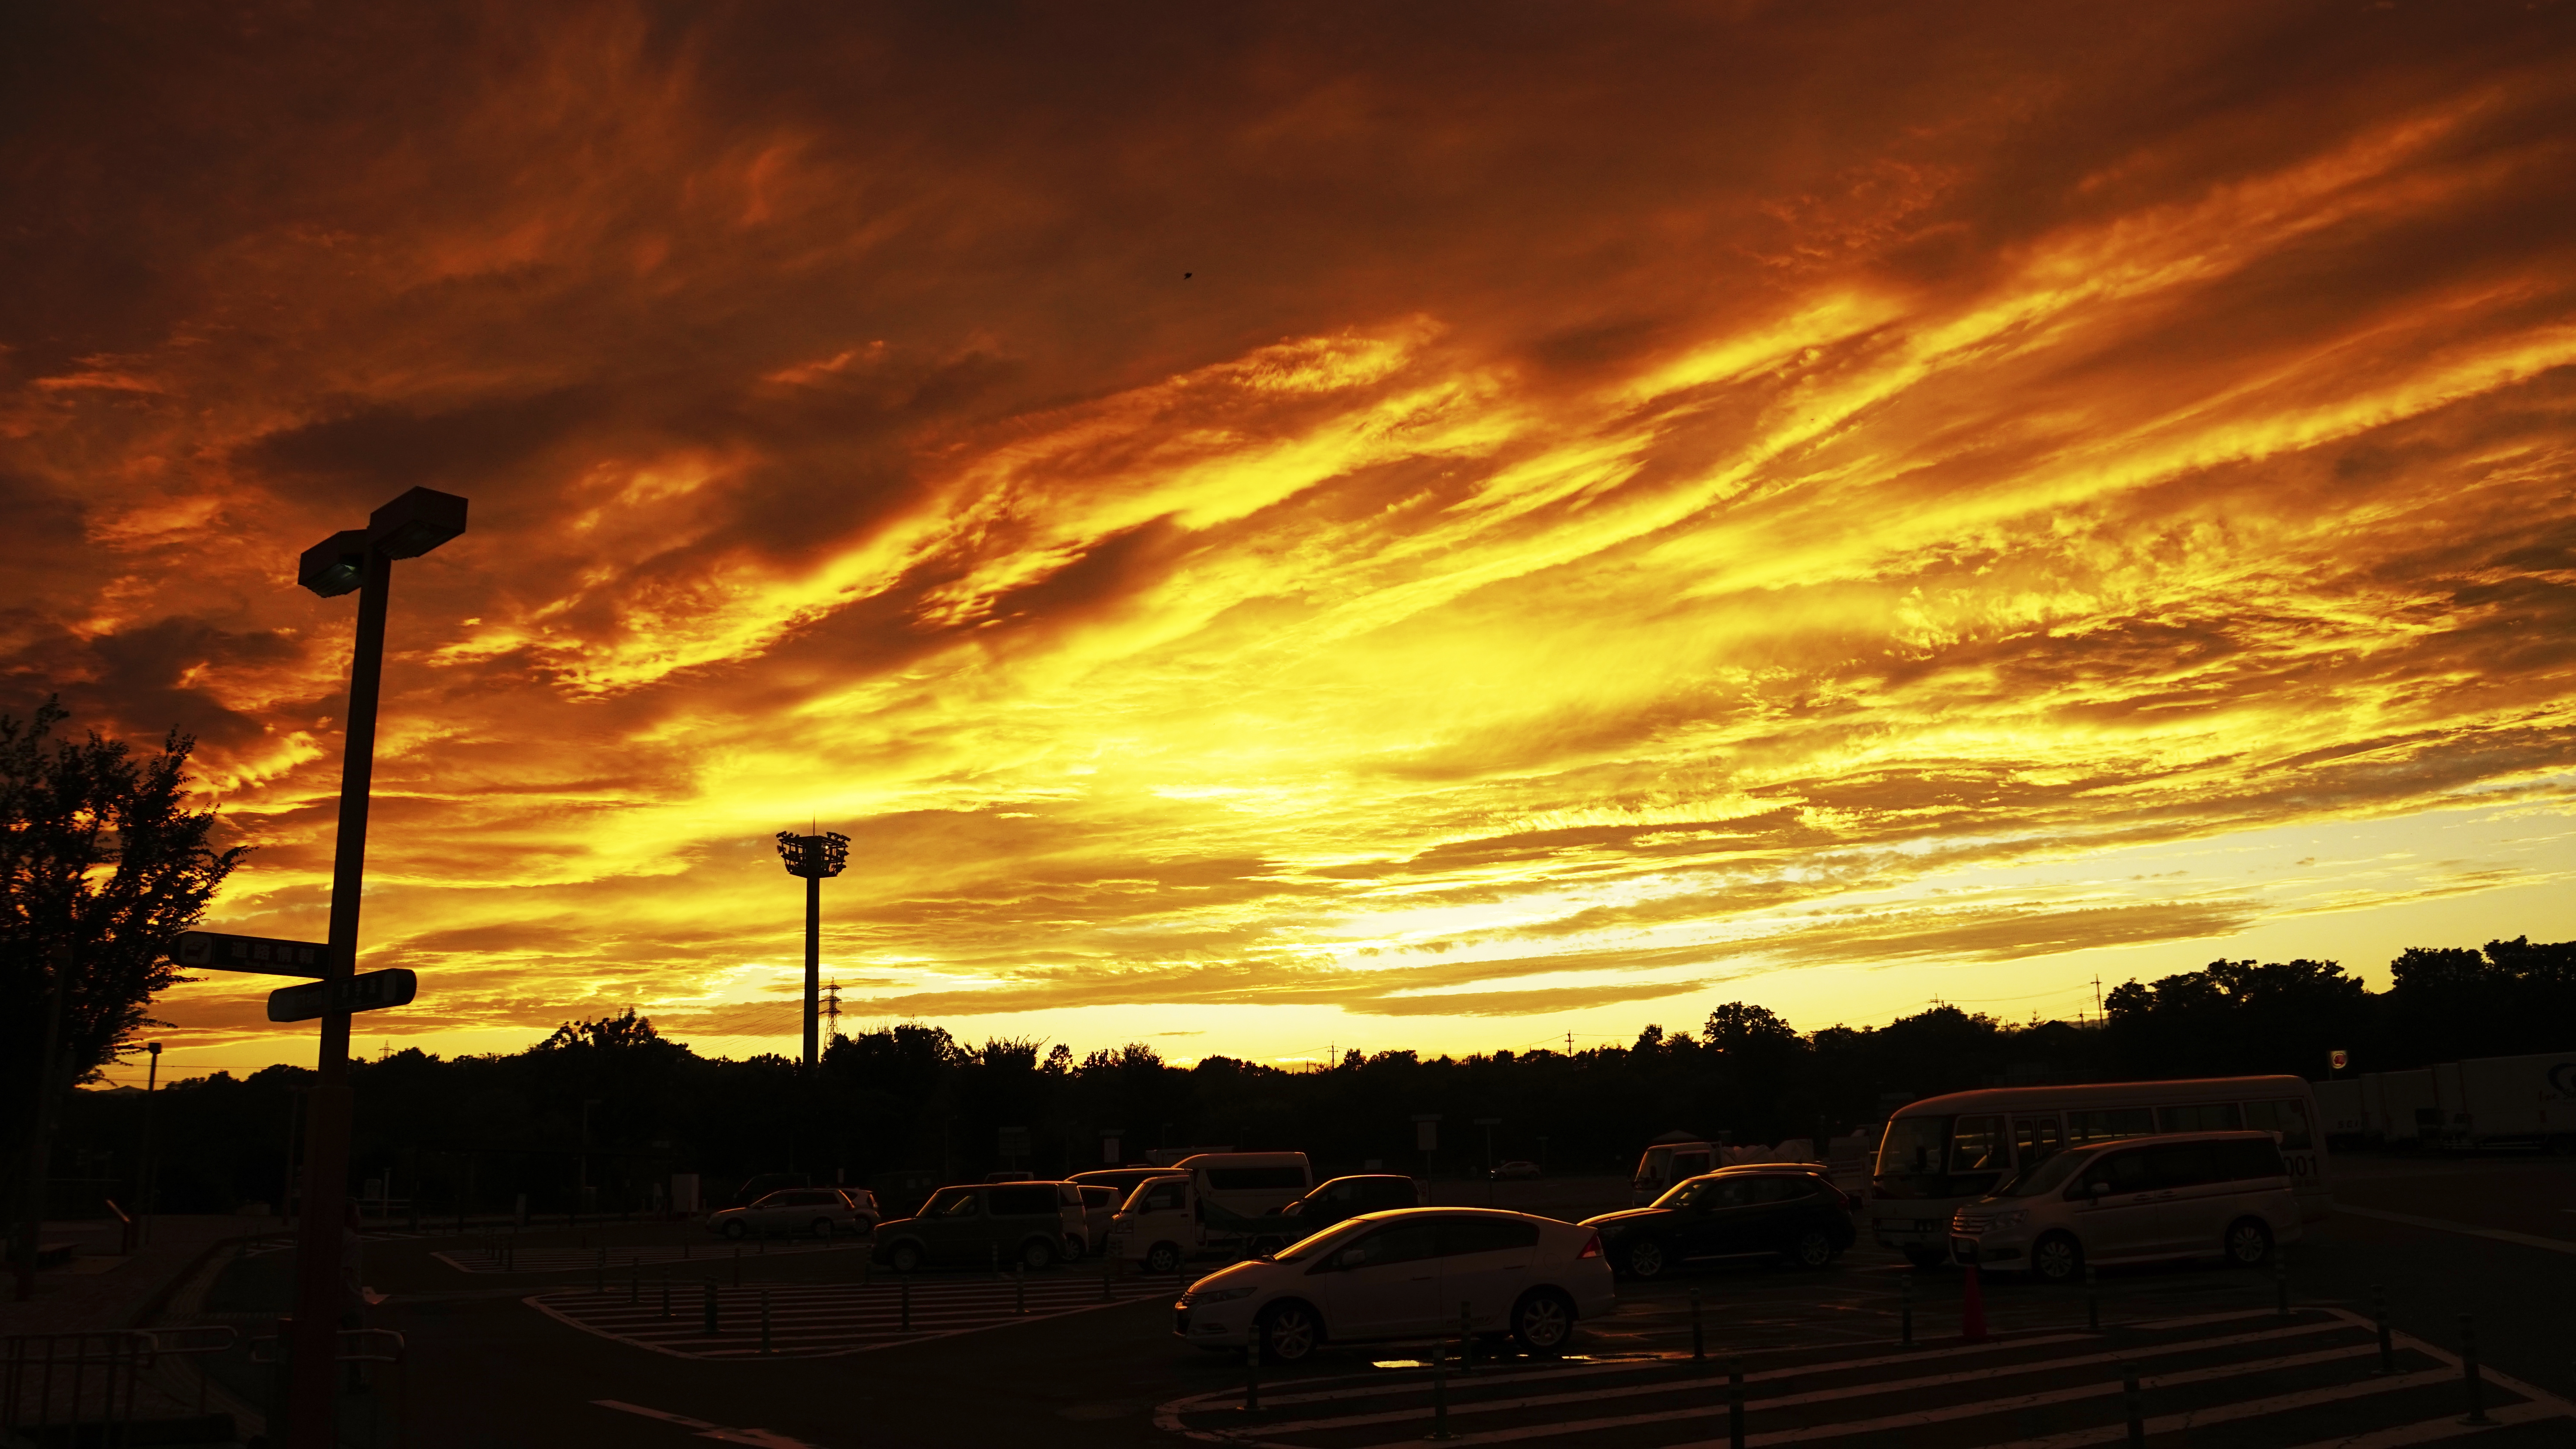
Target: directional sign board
{"x":364,"y":992}
{"x":213,"y":951}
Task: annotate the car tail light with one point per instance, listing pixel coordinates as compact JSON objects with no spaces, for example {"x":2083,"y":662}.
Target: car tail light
{"x":1591,"y":1247}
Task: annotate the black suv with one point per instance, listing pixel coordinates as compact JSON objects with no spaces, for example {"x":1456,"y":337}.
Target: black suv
{"x":974,"y":1224}
{"x":1760,"y":1209}
{"x":1348,"y":1197}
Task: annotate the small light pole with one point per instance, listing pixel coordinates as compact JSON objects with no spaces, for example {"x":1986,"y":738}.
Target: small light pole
{"x":151,"y":1080}
{"x":813,"y":859}
{"x":358,"y":560}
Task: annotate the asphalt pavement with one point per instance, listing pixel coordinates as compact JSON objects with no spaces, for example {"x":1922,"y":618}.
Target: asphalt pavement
{"x":534,"y":1343}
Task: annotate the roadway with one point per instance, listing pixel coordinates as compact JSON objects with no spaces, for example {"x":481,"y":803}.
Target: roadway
{"x":531,"y":1345}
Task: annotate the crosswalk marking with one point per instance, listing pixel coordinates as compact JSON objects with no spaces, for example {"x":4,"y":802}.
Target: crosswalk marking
{"x":1979,"y":1375}
{"x":622,"y":1260}
{"x":827,"y":1320}
{"x":2238,"y":1367}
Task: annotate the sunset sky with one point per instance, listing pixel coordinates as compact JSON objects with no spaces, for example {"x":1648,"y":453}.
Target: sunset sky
{"x":1285,"y":528}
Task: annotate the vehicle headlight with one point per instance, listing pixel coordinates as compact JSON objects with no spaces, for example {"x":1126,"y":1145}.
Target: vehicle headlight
{"x":2005,"y":1221}
{"x":1220,"y":1295}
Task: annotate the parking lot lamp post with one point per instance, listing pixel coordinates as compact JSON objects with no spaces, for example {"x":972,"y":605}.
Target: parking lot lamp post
{"x":814,"y":859}
{"x":359,"y":560}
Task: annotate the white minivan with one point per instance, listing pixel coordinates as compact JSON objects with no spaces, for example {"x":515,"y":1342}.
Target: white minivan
{"x":2186,"y":1195}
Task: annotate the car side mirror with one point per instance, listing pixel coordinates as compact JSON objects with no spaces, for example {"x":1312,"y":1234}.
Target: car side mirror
{"x":1350,"y":1257}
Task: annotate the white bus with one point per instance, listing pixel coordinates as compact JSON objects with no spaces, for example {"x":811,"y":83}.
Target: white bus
{"x":1944,"y":1151}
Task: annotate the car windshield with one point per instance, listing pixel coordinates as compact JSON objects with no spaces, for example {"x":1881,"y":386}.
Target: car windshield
{"x":1684,"y":1194}
{"x":1316,"y":1244}
{"x":1160,"y":1192}
{"x":950,"y":1202}
{"x":2047,"y":1177}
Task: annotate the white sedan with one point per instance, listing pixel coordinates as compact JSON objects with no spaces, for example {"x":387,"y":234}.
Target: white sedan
{"x":1407,"y":1273}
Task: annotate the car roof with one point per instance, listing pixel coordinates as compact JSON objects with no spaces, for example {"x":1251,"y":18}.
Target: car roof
{"x":1391,"y":1214}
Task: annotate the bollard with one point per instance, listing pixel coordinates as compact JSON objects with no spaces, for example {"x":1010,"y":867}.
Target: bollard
{"x":712,"y":1329}
{"x":2379,"y":1316}
{"x":1735,"y":1403}
{"x":666,"y":1298}
{"x":599,"y":1274}
{"x":1439,"y":1389}
{"x":1252,"y":1376}
{"x":1905,"y":1311}
{"x":1019,"y":1289}
{"x":2280,"y":1283}
{"x":1466,"y":1339}
{"x":1699,"y":1344}
{"x":737,"y":1265}
{"x":634,"y":1286}
{"x":1107,"y":1265}
{"x":1972,"y":1306}
{"x":764,"y":1320}
{"x":2092,"y":1301}
{"x":906,"y":1280}
{"x":2477,"y":1413}
{"x":994,"y":1251}
{"x":2134,"y":1405}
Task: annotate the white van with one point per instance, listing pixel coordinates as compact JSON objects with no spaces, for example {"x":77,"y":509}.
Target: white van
{"x":2192,"y":1195}
{"x":1943,"y":1152}
{"x":1167,"y":1221}
{"x":1248,"y":1183}
{"x":1667,"y":1163}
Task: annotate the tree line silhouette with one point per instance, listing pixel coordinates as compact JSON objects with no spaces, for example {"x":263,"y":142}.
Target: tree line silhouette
{"x":473,"y":1133}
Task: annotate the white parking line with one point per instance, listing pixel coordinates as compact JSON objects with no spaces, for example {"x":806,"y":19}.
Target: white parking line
{"x":2501,"y":1235}
{"x":722,"y":1435}
{"x":2428,"y":1430}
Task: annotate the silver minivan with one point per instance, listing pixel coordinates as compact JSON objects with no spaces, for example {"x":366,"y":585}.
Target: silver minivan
{"x":2140,"y":1199}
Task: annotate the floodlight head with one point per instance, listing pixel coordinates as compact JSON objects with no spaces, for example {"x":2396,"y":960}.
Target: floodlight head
{"x":153,"y":1047}
{"x":818,"y":857}
{"x":417,"y":522}
{"x":336,"y":565}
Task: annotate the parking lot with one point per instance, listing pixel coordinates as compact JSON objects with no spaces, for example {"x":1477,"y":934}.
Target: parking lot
{"x":560,"y":1350}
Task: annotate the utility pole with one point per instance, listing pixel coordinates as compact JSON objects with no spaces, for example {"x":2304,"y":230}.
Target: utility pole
{"x":144,"y":1188}
{"x":40,"y":1143}
{"x":2097,"y":996}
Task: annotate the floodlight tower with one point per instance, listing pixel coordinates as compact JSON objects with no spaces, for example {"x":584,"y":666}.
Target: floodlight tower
{"x":815,"y":859}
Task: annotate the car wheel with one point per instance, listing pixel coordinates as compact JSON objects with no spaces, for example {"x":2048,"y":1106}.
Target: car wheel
{"x":904,"y":1257}
{"x":1926,"y":1257}
{"x":2057,"y":1258}
{"x":823,"y":1229}
{"x":1073,"y":1248}
{"x":1289,"y":1332}
{"x":1037,"y":1255}
{"x":734,"y":1229}
{"x":1542,"y":1321}
{"x":1810,"y":1249}
{"x":1646,"y":1259}
{"x":1163,"y":1258}
{"x":2249,"y":1243}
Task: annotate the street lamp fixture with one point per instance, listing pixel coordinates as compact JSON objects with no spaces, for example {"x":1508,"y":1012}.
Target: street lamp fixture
{"x":360,"y":561}
{"x":813,"y":859}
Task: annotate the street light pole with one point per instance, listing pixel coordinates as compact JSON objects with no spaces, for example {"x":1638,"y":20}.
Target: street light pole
{"x":815,"y":858}
{"x":360,"y":559}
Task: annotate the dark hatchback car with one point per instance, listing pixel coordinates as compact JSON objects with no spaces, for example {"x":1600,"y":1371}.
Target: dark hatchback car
{"x":1761,"y":1210}
{"x":1348,"y":1197}
{"x":977,"y":1224}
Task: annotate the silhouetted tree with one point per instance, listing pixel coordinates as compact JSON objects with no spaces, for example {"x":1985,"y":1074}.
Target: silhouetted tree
{"x":101,"y":865}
